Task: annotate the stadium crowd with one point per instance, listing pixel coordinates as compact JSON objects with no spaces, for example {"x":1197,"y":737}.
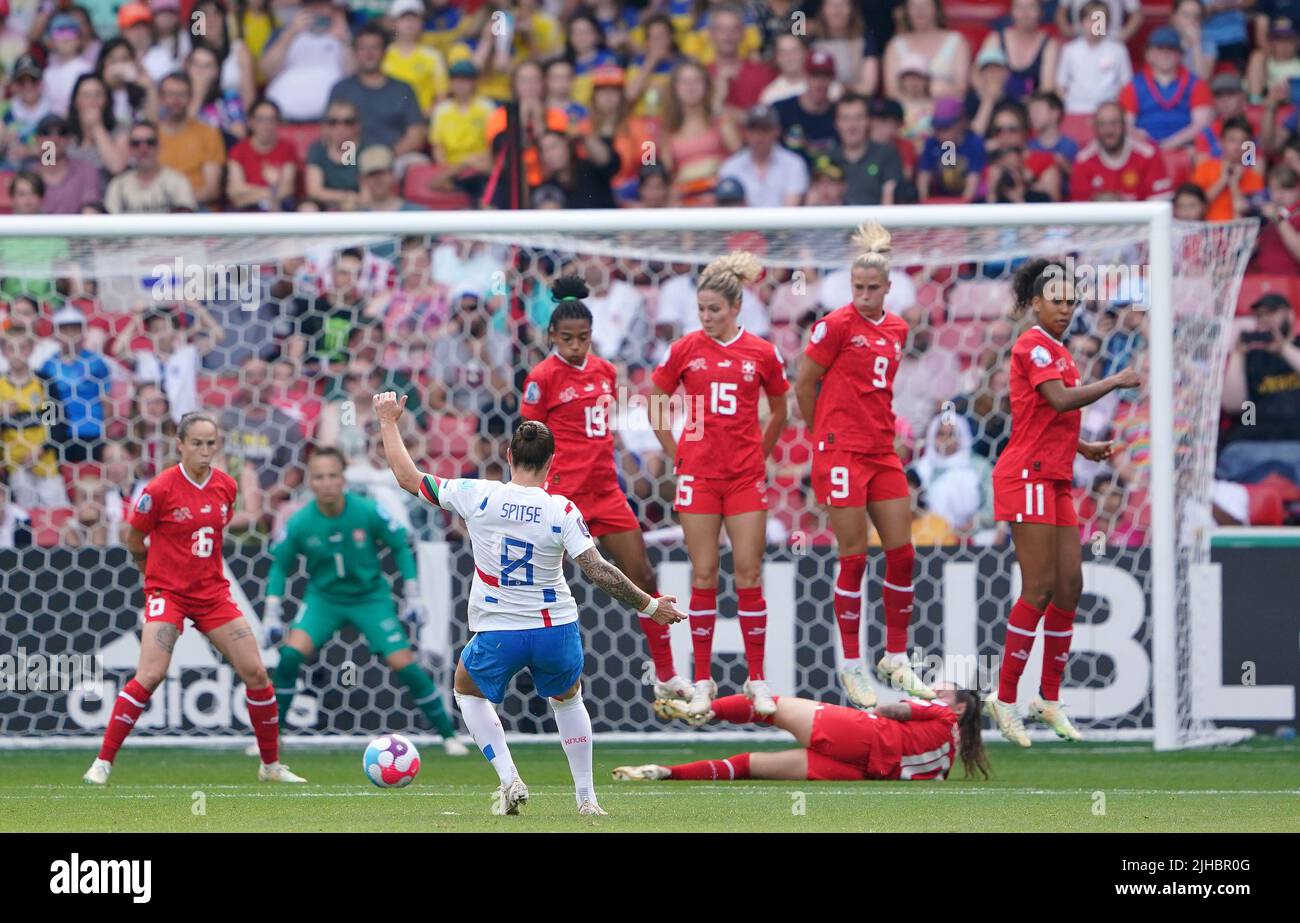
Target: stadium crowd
{"x":183,"y":106}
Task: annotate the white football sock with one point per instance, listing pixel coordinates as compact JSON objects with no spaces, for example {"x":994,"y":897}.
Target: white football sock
{"x":898,"y":659}
{"x":480,"y":717}
{"x":575,"y":735}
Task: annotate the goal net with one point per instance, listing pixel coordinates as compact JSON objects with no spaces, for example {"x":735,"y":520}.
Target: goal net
{"x":296,"y":320}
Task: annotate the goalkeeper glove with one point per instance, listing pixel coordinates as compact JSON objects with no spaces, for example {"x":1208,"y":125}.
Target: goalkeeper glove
{"x":271,"y":624}
{"x":413,"y":608}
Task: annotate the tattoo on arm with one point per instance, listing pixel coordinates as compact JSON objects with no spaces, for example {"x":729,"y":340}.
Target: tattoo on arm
{"x":166,"y":637}
{"x":610,"y":579}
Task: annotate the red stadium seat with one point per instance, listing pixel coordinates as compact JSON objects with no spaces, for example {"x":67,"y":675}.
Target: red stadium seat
{"x":1078,"y":128}
{"x":978,"y":299}
{"x":301,"y":135}
{"x":1178,"y":164}
{"x":46,"y":524}
{"x":416,"y":189}
{"x":80,"y":471}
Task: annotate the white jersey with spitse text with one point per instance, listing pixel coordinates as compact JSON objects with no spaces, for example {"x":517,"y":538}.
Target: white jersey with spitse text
{"x":519,"y":536}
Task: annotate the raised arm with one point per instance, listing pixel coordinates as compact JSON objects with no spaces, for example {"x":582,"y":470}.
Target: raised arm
{"x":614,"y":582}
{"x":388,"y":408}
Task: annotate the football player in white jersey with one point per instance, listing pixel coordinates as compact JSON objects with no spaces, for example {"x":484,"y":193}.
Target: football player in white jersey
{"x":520,"y":608}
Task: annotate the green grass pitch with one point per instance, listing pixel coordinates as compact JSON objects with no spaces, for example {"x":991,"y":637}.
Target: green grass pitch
{"x":1052,"y":787}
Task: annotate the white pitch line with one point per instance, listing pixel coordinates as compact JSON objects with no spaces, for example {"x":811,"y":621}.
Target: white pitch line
{"x":665,"y":792}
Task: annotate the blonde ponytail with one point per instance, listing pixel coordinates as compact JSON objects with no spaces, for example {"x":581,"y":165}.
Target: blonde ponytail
{"x":873,"y":244}
{"x":728,"y":275}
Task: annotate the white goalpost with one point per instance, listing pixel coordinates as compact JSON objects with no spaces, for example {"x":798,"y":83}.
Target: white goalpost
{"x":1179,"y":313}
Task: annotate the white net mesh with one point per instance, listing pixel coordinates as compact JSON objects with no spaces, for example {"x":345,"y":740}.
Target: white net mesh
{"x":307,"y":327}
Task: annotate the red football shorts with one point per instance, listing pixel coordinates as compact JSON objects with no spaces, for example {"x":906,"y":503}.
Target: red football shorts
{"x":159,"y":607}
{"x":606,"y":511}
{"x":1022,"y":500}
{"x":843,"y":478}
{"x":840,"y":744}
{"x":721,"y":496}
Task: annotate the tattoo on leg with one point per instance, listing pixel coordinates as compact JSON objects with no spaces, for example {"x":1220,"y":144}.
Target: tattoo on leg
{"x":166,"y":637}
{"x":240,"y":634}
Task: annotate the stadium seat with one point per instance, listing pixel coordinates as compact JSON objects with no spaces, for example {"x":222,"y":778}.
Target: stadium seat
{"x":80,"y":471}
{"x":1078,"y":128}
{"x":964,"y":338}
{"x":977,"y":299}
{"x":6,"y":204}
{"x":1178,"y":164}
{"x":46,"y":524}
{"x":415,"y":189}
{"x":301,"y":135}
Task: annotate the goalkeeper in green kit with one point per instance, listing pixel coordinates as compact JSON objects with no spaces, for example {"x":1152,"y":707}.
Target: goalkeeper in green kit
{"x":340,"y":534}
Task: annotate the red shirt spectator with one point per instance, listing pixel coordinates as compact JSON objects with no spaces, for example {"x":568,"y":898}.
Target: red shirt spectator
{"x":1135,"y":172}
{"x":254,"y":162}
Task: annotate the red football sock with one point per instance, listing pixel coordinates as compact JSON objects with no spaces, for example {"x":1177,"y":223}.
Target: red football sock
{"x":1058,"y":631}
{"x":265,"y":718}
{"x":703,"y":615}
{"x":848,"y":603}
{"x":752,"y":610}
{"x":661,"y":648}
{"x":897,"y":594}
{"x":736,"y":709}
{"x":728,"y":770}
{"x":131,"y":701}
{"x":1021,"y":627}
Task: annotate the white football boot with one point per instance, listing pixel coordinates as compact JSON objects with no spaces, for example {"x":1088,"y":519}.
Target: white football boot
{"x":679,"y":687}
{"x":1053,"y":715}
{"x":760,"y":694}
{"x":857,"y":686}
{"x":508,"y":798}
{"x":277,"y":772}
{"x":1006,"y":720}
{"x":702,"y":695}
{"x":648,"y":773}
{"x":898,"y":674}
{"x":669,"y":709}
{"x":98,"y":772}
{"x":591,"y":809}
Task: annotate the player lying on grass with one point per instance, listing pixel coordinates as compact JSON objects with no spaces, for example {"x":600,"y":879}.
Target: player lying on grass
{"x":183,"y":512}
{"x":340,"y":534}
{"x":911,"y":739}
{"x":521,"y":610}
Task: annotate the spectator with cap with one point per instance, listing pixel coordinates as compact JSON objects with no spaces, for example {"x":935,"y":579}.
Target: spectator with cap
{"x":990,"y":87}
{"x":1228,"y":180}
{"x":410,"y":60}
{"x":135,"y":27}
{"x":21,"y":113}
{"x":1116,"y":164}
{"x":65,"y":63}
{"x":306,"y":58}
{"x":827,"y":186}
{"x":1094,"y":66}
{"x":1275,"y":65}
{"x":147,"y":186}
{"x":1165,"y":100}
{"x":169,"y":41}
{"x":1261,"y":390}
{"x":458,"y":130}
{"x":869,"y":170}
{"x":78,"y":378}
{"x":808,"y":120}
{"x":1229,"y":102}
{"x":729,"y":192}
{"x":927,"y":38}
{"x":1277,"y":248}
{"x":738,"y":79}
{"x":390,"y":113}
{"x":379,"y":189}
{"x":332,"y":178}
{"x":188,"y":146}
{"x":914,"y":96}
{"x":1029,"y":50}
{"x":770,"y":174}
{"x":953,"y":158}
{"x":70,"y":182}
{"x":263,"y":169}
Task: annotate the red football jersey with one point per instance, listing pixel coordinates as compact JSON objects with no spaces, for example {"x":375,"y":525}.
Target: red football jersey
{"x":185,"y":523}
{"x":1139,"y":175}
{"x":1043,"y":442}
{"x":855,"y":409}
{"x":575,"y":402}
{"x":922,"y":748}
{"x":722,"y":382}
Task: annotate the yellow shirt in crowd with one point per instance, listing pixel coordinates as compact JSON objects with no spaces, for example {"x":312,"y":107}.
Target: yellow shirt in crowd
{"x":462,"y":132}
{"x":423,"y":68}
